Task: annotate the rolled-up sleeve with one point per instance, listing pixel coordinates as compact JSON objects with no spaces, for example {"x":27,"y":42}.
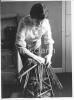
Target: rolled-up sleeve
{"x":48,"y":36}
{"x":20,"y":36}
{"x":47,"y":33}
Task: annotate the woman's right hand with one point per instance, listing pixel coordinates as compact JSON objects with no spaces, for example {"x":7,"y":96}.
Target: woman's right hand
{"x":40,"y":60}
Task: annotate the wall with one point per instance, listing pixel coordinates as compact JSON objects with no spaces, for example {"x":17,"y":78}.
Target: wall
{"x":55,"y":17}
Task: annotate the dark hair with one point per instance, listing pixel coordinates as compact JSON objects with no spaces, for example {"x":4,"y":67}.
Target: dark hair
{"x":37,"y":11}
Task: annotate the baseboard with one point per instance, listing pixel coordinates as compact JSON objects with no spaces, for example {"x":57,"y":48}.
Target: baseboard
{"x":58,"y":70}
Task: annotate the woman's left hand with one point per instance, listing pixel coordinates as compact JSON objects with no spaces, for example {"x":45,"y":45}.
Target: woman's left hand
{"x":48,"y":59}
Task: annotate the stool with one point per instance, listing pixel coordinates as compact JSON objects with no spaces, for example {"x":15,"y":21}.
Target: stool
{"x":42,"y":83}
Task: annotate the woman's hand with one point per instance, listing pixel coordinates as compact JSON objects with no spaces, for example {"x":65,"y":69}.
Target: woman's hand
{"x":48,"y":60}
{"x":40,"y":60}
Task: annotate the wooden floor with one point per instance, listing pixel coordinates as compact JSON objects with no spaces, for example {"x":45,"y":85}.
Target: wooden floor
{"x":12,"y":89}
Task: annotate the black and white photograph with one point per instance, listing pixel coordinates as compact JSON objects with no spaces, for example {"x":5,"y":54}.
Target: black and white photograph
{"x":36,"y":49}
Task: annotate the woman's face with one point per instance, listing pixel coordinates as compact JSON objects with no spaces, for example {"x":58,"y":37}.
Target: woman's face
{"x":36,"y":22}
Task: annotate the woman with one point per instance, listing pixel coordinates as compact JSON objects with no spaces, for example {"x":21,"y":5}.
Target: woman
{"x":29,"y":36}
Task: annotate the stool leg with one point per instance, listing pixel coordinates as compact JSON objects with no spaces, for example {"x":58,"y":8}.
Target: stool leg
{"x":36,"y":73}
{"x":40,"y":72}
{"x":26,"y":80}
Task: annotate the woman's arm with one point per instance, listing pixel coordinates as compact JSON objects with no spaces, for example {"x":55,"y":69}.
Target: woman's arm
{"x":21,"y":45}
{"x":48,"y":40}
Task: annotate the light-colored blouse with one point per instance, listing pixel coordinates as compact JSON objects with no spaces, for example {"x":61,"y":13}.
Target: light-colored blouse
{"x":29,"y":36}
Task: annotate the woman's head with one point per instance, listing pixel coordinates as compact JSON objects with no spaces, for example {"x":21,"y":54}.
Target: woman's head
{"x":37,"y":12}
